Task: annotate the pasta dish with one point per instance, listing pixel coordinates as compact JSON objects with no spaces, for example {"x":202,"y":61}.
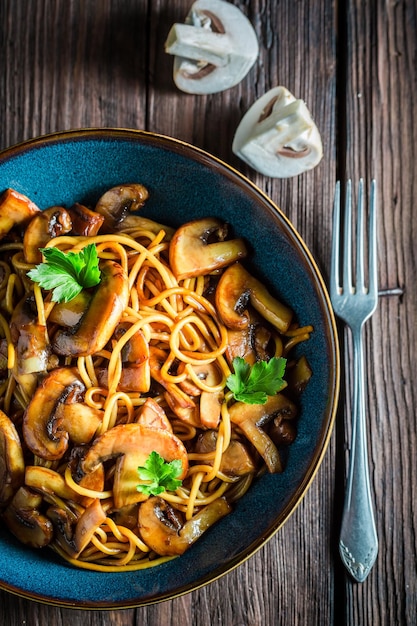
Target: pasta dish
{"x":147,"y":379}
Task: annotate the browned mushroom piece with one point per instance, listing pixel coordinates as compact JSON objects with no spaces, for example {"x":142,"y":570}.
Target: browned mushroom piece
{"x":85,"y":222}
{"x":15,"y":210}
{"x":69,"y":314}
{"x":100,"y":319}
{"x":56,"y":414}
{"x":163,"y":529}
{"x":47,"y":481}
{"x":26,"y":522}
{"x":180,"y":403}
{"x":137,"y":222}
{"x":236,"y":459}
{"x":236,"y":288}
{"x":200,"y":247}
{"x":12,"y":463}
{"x":43,"y":227}
{"x":31,"y":341}
{"x":251,"y":418}
{"x":131,"y":445}
{"x":72,"y":532}
{"x":116,"y":203}
{"x":153,"y":415}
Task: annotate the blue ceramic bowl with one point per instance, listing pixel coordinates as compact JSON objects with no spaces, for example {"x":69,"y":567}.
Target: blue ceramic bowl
{"x":184,"y":183}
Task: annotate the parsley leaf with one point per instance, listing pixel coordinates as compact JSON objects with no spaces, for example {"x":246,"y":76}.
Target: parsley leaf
{"x":253,"y":384}
{"x":160,"y":474}
{"x":67,"y":273}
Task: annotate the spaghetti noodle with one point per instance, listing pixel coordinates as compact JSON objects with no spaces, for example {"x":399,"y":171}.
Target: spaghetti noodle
{"x":89,"y":391}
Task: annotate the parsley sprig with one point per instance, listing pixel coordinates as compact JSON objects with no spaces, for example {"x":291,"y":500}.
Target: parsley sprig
{"x":253,"y":384}
{"x":67,"y":273}
{"x":160,"y":474}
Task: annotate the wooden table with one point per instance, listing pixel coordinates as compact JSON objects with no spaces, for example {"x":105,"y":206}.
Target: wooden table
{"x":69,"y":64}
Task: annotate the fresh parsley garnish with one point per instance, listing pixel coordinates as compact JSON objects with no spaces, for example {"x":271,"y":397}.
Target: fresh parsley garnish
{"x":253,"y":384}
{"x":67,"y":273}
{"x":160,"y":474}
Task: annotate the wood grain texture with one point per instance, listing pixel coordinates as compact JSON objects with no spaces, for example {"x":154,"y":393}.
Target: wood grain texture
{"x":73,"y":63}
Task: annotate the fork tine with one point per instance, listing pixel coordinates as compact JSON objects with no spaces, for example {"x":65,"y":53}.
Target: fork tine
{"x":347,"y":240}
{"x":334,"y":262}
{"x":373,"y":270}
{"x":360,"y":271}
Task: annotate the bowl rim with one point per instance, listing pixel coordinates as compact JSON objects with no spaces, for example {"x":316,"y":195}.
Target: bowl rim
{"x":204,"y":157}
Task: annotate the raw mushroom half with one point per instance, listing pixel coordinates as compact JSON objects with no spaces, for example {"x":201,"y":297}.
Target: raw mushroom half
{"x":214,"y":49}
{"x":278,"y":137}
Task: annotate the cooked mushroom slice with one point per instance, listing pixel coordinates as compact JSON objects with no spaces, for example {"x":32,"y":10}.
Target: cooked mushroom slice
{"x":85,"y":222}
{"x":51,"y":419}
{"x":131,"y":444}
{"x":214,"y":49}
{"x":31,"y":341}
{"x":163,"y":531}
{"x":178,"y":401}
{"x":236,"y":288}
{"x":12,"y":463}
{"x":46,"y":225}
{"x":210,"y":408}
{"x":101,"y":318}
{"x":46,"y":480}
{"x":118,"y":202}
{"x":90,"y":520}
{"x":74,"y":534}
{"x":26,"y":522}
{"x":200,"y":247}
{"x":69,"y":314}
{"x":137,"y":222}
{"x":252,"y":417}
{"x":236,"y":459}
{"x":15,"y":210}
{"x":153,"y":415}
{"x":278,"y":137}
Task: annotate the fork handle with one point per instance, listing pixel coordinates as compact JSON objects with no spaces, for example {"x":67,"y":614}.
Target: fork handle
{"x":358,"y":543}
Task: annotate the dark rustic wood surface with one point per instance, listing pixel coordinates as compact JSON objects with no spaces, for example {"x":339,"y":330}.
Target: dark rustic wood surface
{"x":73,"y":63}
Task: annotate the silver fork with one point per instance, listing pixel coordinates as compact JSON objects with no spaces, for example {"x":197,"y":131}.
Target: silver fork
{"x":358,"y":543}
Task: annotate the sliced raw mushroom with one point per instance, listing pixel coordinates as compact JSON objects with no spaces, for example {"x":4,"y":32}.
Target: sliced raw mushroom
{"x":101,"y":318}
{"x":278,"y":137}
{"x":163,"y":530}
{"x":214,"y":49}
{"x":24,"y":520}
{"x":236,"y":288}
{"x":44,"y":226}
{"x":131,"y":444}
{"x":56,"y":414}
{"x":118,"y":202}
{"x":12,"y":463}
{"x":200,"y":247}
{"x":15,"y":210}
{"x":251,"y":418}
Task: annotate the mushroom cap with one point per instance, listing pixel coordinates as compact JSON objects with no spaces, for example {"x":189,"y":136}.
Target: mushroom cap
{"x":277,"y":136}
{"x":214,"y":50}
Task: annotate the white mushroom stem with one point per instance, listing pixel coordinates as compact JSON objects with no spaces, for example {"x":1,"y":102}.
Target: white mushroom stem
{"x":278,"y":137}
{"x":214,"y":49}
{"x":199,"y":44}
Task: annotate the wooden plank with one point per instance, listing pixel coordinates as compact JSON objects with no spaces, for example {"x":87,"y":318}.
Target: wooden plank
{"x":102,"y":64}
{"x":381,"y":143}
